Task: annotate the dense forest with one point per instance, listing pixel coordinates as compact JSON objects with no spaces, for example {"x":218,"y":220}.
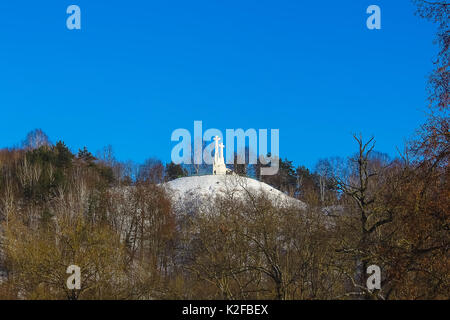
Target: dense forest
{"x":116,"y":221}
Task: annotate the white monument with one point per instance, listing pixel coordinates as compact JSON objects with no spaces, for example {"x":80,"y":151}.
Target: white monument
{"x":219,"y":166}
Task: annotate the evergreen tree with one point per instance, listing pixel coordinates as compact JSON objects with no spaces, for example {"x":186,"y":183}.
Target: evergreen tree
{"x":175,"y":171}
{"x":285,"y":180}
{"x":63,"y":155}
{"x":86,"y":156}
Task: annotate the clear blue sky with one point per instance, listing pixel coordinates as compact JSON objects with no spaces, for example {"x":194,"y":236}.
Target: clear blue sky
{"x":140,"y":69}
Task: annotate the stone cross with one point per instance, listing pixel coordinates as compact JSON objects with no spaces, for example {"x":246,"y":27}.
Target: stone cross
{"x":216,"y":148}
{"x":219,"y":166}
{"x":221,"y":159}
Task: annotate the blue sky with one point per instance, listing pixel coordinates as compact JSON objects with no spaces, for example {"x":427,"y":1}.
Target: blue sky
{"x":140,"y":69}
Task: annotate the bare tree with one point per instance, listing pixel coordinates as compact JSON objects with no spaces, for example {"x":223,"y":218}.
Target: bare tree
{"x":360,"y":187}
{"x":35,"y":139}
{"x":323,"y":169}
{"x":152,"y":171}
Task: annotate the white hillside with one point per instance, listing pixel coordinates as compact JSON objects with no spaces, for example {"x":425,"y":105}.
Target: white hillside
{"x":198,"y":190}
{"x":191,"y":193}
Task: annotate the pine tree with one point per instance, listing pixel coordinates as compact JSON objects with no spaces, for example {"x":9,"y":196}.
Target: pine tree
{"x":86,"y":156}
{"x":174,"y":171}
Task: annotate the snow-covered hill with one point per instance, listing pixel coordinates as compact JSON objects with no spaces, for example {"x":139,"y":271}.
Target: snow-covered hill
{"x":197,"y":190}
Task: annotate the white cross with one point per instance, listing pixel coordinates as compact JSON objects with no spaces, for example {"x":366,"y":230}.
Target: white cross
{"x":221,"y":146}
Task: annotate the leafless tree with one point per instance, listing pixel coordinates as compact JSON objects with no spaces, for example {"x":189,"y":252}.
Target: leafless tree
{"x":35,"y":139}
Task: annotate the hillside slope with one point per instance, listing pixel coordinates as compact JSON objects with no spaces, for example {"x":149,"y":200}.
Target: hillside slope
{"x":199,"y":189}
